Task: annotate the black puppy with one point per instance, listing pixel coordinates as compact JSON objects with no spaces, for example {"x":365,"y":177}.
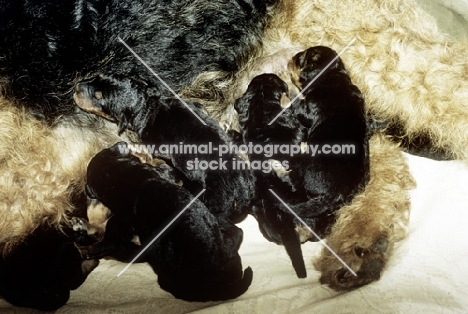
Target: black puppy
{"x":160,"y":120}
{"x":43,"y":269}
{"x":196,"y":259}
{"x":265,"y":99}
{"x":49,"y":45}
{"x":331,"y":113}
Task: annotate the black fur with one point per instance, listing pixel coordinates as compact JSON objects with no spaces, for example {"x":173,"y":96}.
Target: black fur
{"x":419,"y":145}
{"x":260,"y":104}
{"x":196,"y":259}
{"x":49,"y":45}
{"x":41,"y":272}
{"x":162,"y":120}
{"x":332,"y":112}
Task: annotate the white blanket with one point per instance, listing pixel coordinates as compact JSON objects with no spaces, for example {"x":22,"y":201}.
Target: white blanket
{"x":427,"y":274}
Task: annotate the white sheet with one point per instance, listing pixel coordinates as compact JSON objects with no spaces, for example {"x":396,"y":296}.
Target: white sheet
{"x":427,"y":274}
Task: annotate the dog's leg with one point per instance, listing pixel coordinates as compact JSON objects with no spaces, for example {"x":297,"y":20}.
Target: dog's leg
{"x":424,"y":96}
{"x":366,"y":230}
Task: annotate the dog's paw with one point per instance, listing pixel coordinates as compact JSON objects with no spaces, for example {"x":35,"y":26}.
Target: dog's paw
{"x":367,"y":263}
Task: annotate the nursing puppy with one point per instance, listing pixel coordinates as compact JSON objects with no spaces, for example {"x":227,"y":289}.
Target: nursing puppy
{"x":264,"y":100}
{"x":315,"y":187}
{"x":333,"y":114}
{"x":196,"y":259}
{"x":161,"y":120}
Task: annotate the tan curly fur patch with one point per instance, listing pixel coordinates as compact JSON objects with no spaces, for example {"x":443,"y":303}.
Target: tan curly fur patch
{"x":407,"y":70}
{"x":380,"y":212}
{"x":40,"y":167}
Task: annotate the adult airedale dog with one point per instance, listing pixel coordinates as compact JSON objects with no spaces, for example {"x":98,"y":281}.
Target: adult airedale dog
{"x":411,"y":77}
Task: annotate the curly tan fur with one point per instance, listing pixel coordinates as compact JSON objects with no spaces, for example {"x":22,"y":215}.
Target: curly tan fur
{"x":411,"y":75}
{"x":366,"y":230}
{"x":40,"y":170}
{"x":409,"y":72}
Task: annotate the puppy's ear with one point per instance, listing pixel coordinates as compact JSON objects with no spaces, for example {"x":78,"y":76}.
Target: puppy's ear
{"x":300,"y":59}
{"x":295,"y":66}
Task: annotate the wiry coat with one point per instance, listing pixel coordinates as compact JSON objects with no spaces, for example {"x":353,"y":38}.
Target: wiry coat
{"x":47,"y":46}
{"x":41,"y":171}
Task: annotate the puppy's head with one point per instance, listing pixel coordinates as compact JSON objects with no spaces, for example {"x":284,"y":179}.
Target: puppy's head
{"x":43,"y":269}
{"x":106,"y":159}
{"x":109,"y":171}
{"x":116,"y":98}
{"x":307,"y":65}
{"x":265,"y":90}
{"x":265,"y":97}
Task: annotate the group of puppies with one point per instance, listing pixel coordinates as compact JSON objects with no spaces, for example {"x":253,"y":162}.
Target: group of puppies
{"x":209,"y":51}
{"x":50,"y":45}
{"x":197,"y":258}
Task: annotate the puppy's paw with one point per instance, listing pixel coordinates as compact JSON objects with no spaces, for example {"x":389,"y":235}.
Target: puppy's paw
{"x":79,"y":225}
{"x":367,"y":262}
{"x":84,"y":232}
